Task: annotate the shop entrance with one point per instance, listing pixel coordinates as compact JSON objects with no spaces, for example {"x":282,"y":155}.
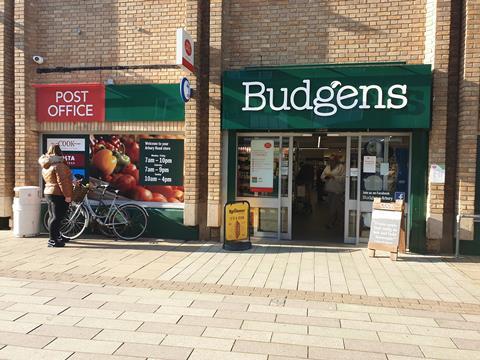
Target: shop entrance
{"x":320,"y":187}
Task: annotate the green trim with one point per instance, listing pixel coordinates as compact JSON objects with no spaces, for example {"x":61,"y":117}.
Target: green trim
{"x":418,"y":191}
{"x":168,"y":224}
{"x":271,"y":89}
{"x":472,"y":247}
{"x":302,"y":66}
{"x":152,"y":102}
{"x":232,"y":166}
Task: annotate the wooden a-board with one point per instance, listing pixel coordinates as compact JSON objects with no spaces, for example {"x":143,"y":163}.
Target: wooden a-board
{"x":387,"y":228}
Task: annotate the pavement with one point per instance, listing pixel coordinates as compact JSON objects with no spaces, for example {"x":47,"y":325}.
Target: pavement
{"x":101,"y":299}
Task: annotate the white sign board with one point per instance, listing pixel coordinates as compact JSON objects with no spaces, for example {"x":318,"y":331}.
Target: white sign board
{"x":369,"y":164}
{"x":185,"y":50}
{"x":385,"y":227}
{"x":261,"y":165}
{"x":68,"y":144}
{"x":437,"y":174}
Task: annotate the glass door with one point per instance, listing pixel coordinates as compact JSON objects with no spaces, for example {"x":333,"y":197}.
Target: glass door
{"x":378,"y":167}
{"x":352,"y":188}
{"x":264,"y":180}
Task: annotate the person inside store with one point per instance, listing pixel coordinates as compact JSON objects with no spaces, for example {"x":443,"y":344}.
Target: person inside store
{"x":305,"y":177}
{"x":334,"y":178}
{"x":58,"y":191}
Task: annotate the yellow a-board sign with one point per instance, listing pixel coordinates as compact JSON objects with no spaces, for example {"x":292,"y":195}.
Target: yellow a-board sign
{"x":237,"y":226}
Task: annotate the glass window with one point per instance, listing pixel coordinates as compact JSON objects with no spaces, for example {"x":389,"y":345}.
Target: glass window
{"x":385,"y":161}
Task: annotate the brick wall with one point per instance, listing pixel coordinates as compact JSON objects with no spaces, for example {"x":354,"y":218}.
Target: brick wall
{"x":469,"y":103}
{"x":105,"y":33}
{"x":303,"y":32}
{"x":7,"y":127}
{"x":215,"y":98}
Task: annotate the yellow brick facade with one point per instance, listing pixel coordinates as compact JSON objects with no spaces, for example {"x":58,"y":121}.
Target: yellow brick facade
{"x":232,"y":34}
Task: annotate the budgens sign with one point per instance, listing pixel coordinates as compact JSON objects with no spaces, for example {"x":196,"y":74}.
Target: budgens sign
{"x":372,"y":97}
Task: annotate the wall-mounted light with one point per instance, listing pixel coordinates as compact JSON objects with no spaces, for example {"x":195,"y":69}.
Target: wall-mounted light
{"x":78,"y":31}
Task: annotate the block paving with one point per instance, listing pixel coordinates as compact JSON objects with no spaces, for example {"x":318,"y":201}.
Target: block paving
{"x":102,"y":299}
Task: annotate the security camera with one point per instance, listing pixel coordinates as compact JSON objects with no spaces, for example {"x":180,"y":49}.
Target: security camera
{"x":38,"y":59}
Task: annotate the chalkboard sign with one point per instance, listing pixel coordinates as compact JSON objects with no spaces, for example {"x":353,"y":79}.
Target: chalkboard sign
{"x":161,"y":162}
{"x":387,"y":231}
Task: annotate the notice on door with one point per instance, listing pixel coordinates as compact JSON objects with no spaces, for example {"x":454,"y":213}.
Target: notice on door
{"x":261,"y":165}
{"x":161,"y":162}
{"x":369,"y":164}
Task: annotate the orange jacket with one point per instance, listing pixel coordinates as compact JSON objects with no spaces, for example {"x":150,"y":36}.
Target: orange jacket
{"x":57,"y":175}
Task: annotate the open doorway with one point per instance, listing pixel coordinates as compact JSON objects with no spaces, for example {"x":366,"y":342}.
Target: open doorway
{"x":319,"y":188}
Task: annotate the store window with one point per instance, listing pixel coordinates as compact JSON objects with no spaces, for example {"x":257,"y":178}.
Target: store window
{"x":385,"y":173}
{"x":144,"y":168}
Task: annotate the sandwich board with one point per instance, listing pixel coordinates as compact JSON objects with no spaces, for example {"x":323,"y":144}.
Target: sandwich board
{"x":387,"y":229}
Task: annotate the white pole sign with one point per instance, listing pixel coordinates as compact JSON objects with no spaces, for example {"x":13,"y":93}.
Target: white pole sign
{"x":261,"y":166}
{"x":185,"y":50}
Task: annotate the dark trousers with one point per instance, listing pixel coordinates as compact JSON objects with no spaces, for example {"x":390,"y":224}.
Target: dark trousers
{"x":57,"y":209}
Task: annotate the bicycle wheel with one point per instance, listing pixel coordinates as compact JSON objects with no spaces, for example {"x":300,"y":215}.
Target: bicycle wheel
{"x":102,"y":212}
{"x":75,"y":222}
{"x":129,"y":222}
{"x":46,"y":217}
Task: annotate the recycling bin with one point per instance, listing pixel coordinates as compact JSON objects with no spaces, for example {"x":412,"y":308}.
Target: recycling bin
{"x":26,"y":211}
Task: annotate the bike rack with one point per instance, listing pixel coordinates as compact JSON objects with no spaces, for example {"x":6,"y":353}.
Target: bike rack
{"x":476,"y":218}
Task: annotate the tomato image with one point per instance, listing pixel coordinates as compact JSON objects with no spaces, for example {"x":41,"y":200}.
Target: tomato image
{"x":179,"y":195}
{"x":139,"y":193}
{"x":104,"y":161}
{"x":131,"y":169}
{"x":173,"y":200}
{"x":125,"y":183}
{"x":165,"y":190}
{"x":158,"y":197}
{"x":132,"y":149}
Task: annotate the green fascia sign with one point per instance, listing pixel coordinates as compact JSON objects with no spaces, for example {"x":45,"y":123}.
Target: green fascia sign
{"x":153,"y":102}
{"x":378,"y":97}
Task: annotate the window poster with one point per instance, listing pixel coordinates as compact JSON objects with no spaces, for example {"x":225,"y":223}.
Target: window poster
{"x":75,"y":151}
{"x":161,"y":162}
{"x":115,"y":160}
{"x":369,"y":164}
{"x":262,"y":165}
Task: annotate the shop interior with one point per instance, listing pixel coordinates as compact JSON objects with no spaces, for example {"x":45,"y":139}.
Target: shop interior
{"x":319,"y":188}
{"x":310,"y":196}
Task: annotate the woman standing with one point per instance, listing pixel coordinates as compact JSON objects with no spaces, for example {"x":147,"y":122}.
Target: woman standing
{"x":58,"y":191}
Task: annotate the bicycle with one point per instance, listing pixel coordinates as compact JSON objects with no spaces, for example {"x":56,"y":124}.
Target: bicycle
{"x":126,"y":221}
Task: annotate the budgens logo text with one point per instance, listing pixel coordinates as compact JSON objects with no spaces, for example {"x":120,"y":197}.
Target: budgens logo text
{"x":327,"y":100}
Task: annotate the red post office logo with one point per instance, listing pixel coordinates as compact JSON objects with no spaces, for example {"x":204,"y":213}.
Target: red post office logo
{"x":70,"y":102}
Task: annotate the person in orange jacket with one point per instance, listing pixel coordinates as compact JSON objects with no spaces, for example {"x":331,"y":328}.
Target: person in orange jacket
{"x":58,"y":191}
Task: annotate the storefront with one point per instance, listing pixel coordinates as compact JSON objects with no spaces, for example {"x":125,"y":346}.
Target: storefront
{"x":285,"y":125}
{"x":146,"y":167}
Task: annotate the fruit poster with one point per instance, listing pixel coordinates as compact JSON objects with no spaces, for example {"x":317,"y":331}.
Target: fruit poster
{"x":117,"y":160}
{"x":161,"y":162}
